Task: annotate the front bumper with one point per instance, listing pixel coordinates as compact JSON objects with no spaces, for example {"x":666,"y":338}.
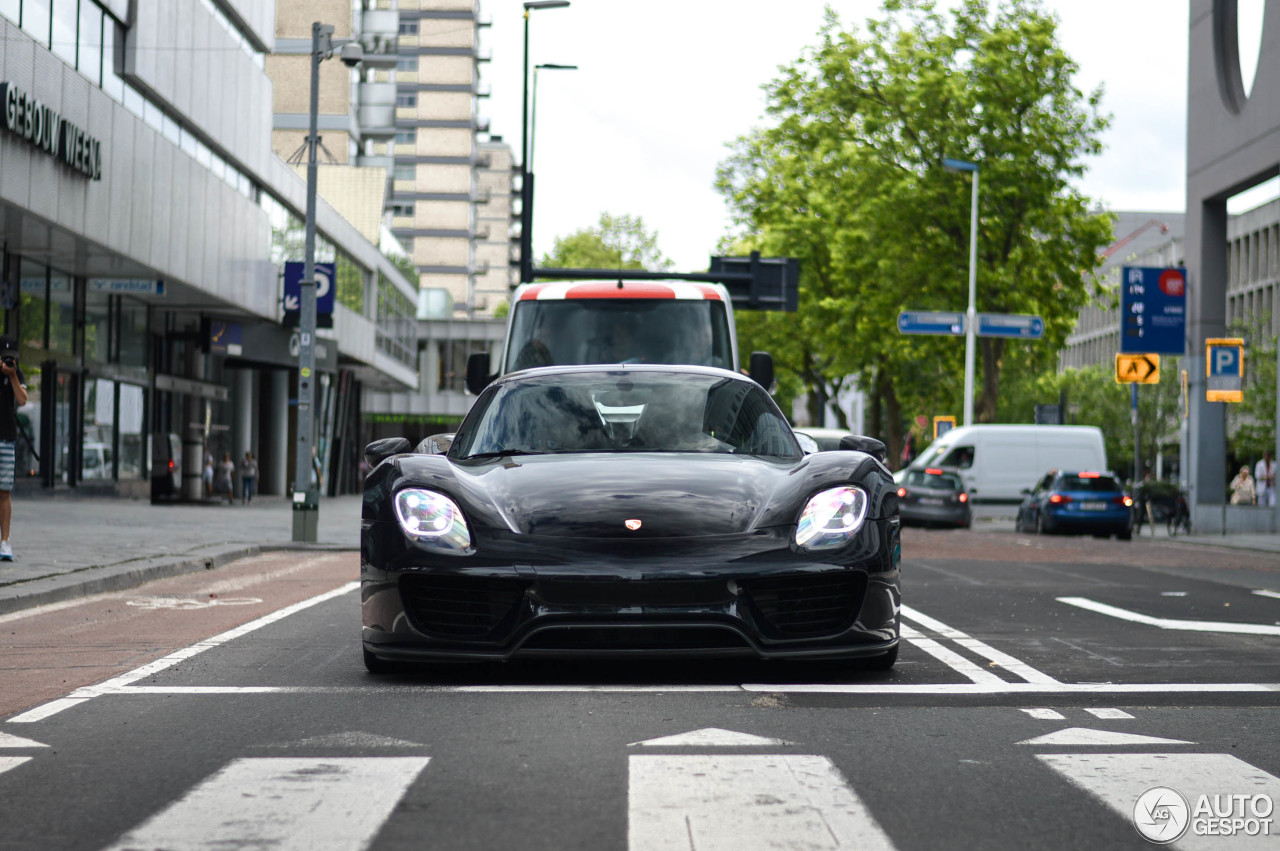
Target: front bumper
{"x":520,"y":596}
{"x":1110,"y":521}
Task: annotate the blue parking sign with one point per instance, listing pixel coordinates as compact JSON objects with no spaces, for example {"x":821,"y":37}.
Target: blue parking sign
{"x":1224,"y":369}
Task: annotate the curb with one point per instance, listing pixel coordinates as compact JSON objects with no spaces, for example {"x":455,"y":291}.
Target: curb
{"x":102,"y":579}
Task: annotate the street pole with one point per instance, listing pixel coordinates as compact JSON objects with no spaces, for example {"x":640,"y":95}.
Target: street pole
{"x":971,"y":315}
{"x":306,"y":496}
{"x":526,"y":173}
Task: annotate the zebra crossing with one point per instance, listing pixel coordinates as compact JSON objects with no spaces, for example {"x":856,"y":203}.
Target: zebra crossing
{"x":683,"y":792}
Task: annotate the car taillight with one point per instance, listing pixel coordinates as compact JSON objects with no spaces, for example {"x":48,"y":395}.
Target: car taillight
{"x":932,"y":472}
{"x":964,"y":497}
{"x":1059,"y":498}
{"x":902,"y":492}
{"x":1126,"y":501}
{"x":171,"y":465}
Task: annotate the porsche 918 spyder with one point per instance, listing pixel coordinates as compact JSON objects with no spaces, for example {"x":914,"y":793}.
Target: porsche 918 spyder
{"x":626,"y":510}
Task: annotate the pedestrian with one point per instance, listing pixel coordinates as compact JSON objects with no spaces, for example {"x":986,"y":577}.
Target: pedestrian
{"x":206,"y":475}
{"x":222,"y":482}
{"x":1265,"y":475}
{"x":248,"y":477}
{"x":13,"y":395}
{"x":1242,"y":491}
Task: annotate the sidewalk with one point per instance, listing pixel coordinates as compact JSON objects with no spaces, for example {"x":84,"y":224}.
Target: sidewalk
{"x":68,"y":546}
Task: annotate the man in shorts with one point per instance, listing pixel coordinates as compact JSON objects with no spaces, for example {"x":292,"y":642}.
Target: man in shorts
{"x":13,"y":395}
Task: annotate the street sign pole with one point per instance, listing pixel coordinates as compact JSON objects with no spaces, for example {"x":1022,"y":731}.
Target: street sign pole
{"x":1133,"y":404}
{"x":971,"y":315}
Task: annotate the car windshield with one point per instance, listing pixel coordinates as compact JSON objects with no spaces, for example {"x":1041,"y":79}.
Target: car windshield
{"x":560,"y":332}
{"x":921,"y":479}
{"x":1087,"y":483}
{"x":625,"y":411}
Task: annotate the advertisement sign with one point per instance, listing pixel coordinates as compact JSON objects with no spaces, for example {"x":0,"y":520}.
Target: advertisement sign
{"x":1153,"y":310}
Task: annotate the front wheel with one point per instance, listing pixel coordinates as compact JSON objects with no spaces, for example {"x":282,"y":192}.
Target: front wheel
{"x":376,"y":665}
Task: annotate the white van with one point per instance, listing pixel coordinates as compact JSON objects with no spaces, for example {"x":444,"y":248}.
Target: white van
{"x":998,"y":461}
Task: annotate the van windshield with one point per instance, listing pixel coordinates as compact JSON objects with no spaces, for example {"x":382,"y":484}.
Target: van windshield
{"x":582,"y":331}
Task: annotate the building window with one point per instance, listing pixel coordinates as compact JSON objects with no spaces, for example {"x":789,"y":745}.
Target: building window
{"x":35,"y":20}
{"x":408,"y":28}
{"x":406,"y":137}
{"x":407,"y":63}
{"x":402,"y":209}
{"x":405,"y":172}
{"x":89,"y":57}
{"x":407,"y":99}
{"x":11,"y":9}
{"x":63,"y":36}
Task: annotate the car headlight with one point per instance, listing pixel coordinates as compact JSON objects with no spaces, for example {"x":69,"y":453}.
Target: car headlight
{"x":432,"y":518}
{"x":831,"y":518}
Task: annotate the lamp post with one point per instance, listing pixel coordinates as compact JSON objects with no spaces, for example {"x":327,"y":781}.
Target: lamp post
{"x":306,"y":496}
{"x":971,"y":315}
{"x":533,"y":110}
{"x":526,"y":173}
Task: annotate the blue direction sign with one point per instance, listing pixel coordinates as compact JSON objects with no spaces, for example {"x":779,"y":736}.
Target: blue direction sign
{"x":930,"y":322}
{"x":1018,"y":325}
{"x":325,"y":275}
{"x":1153,"y":310}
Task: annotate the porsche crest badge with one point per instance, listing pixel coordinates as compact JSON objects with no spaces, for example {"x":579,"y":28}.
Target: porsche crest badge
{"x":633,"y":525}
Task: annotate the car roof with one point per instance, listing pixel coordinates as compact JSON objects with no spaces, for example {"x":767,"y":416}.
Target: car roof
{"x":614,"y":368}
{"x":614,"y":288}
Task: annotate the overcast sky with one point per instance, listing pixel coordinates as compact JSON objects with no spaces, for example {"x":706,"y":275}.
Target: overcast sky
{"x":664,"y":86}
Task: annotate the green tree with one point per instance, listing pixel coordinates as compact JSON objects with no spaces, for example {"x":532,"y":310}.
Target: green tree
{"x":849,"y":178}
{"x":617,"y":242}
{"x":1251,"y":424}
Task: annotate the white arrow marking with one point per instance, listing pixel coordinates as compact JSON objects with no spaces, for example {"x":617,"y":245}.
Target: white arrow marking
{"x":1085,"y":736}
{"x":8,"y":741}
{"x":282,"y":804}
{"x":1108,"y":714}
{"x":731,"y":803}
{"x":1170,"y":623}
{"x":1275,"y":594}
{"x":711,"y":737}
{"x":1045,"y":714}
{"x":8,"y":762}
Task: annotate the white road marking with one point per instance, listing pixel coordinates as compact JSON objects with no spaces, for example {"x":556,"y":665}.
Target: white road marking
{"x":1275,"y":594}
{"x":283,"y":804}
{"x":8,"y":741}
{"x":1109,"y":714}
{"x":741,"y":803}
{"x":9,"y":762}
{"x":81,"y":695}
{"x":1117,"y":779}
{"x":1014,"y":688}
{"x":950,"y":658}
{"x":1045,"y":714}
{"x":710,"y":737}
{"x":991,"y":654}
{"x":1170,"y":623}
{"x":190,"y":603}
{"x":1087,"y":737}
{"x":1173,"y":593}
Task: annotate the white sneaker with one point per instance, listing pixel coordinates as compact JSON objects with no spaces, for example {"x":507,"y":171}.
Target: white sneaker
{"x":6,"y":551}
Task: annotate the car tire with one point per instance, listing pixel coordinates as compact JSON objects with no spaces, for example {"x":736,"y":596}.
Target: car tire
{"x":376,"y":665}
{"x":1041,"y":528}
{"x":1126,"y":535}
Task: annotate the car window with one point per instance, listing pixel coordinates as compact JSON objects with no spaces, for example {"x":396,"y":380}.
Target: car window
{"x":921,"y":479}
{"x":961,"y":456}
{"x":1088,"y":483}
{"x":630,"y":411}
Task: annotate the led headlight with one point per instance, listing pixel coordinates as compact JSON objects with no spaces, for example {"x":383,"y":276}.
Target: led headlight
{"x":831,"y":518}
{"x":432,"y":518}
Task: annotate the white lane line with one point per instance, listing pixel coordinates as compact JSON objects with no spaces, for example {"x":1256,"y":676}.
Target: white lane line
{"x":739,"y":803}
{"x":950,"y":658}
{"x":10,"y":762}
{"x":8,"y":741}
{"x":282,"y":804}
{"x":113,"y":685}
{"x":1014,"y":666}
{"x":1118,"y":779}
{"x":1045,"y":714}
{"x":1110,"y":714}
{"x":1170,"y":623}
{"x":1083,"y":736}
{"x":1274,"y":594}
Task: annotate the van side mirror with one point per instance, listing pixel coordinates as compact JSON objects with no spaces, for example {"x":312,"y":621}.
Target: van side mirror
{"x":380,"y":450}
{"x":761,"y":369}
{"x":478,"y":376}
{"x":861,"y":443}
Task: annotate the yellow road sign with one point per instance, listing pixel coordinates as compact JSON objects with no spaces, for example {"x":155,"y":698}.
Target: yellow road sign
{"x":1137,"y":369}
{"x":942,"y":425}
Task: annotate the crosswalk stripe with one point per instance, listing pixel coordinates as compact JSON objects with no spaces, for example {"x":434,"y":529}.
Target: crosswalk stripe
{"x":742,"y":803}
{"x":981,"y":648}
{"x":282,"y":804}
{"x":1118,"y":779}
{"x":8,"y":762}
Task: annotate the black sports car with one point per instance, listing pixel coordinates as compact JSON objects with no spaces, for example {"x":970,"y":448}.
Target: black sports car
{"x":626,"y":509}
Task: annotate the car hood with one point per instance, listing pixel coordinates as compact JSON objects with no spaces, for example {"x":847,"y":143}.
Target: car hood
{"x":594,"y":495}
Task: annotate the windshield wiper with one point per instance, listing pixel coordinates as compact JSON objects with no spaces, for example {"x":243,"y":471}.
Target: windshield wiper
{"x":502,"y":453}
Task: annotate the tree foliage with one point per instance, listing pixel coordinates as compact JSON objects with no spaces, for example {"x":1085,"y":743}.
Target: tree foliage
{"x":617,"y":242}
{"x":849,"y":178}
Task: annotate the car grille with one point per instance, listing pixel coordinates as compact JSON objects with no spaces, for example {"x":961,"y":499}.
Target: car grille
{"x":466,"y":607}
{"x":635,"y":637}
{"x":796,"y":606}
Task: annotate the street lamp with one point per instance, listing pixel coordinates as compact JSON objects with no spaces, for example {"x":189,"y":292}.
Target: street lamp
{"x":533,"y":110}
{"x":971,"y":315}
{"x":306,"y":497}
{"x":526,"y":174}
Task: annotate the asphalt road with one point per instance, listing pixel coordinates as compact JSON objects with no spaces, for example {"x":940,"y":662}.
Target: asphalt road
{"x":1044,"y":686}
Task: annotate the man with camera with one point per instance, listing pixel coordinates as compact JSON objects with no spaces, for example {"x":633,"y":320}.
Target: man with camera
{"x":13,"y":395}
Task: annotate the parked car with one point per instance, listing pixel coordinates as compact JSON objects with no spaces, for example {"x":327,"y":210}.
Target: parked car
{"x":627,"y":509}
{"x":933,"y":497}
{"x":1078,"y":502}
{"x":827,"y":439}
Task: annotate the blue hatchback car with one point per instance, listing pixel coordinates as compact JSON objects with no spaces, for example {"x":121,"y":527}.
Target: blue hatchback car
{"x":1080,"y":502}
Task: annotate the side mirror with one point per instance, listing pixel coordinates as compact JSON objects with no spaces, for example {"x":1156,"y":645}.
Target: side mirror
{"x":478,"y":376}
{"x":436,"y":444}
{"x":761,"y":369}
{"x":1026,"y":491}
{"x":380,"y":450}
{"x":861,"y":443}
